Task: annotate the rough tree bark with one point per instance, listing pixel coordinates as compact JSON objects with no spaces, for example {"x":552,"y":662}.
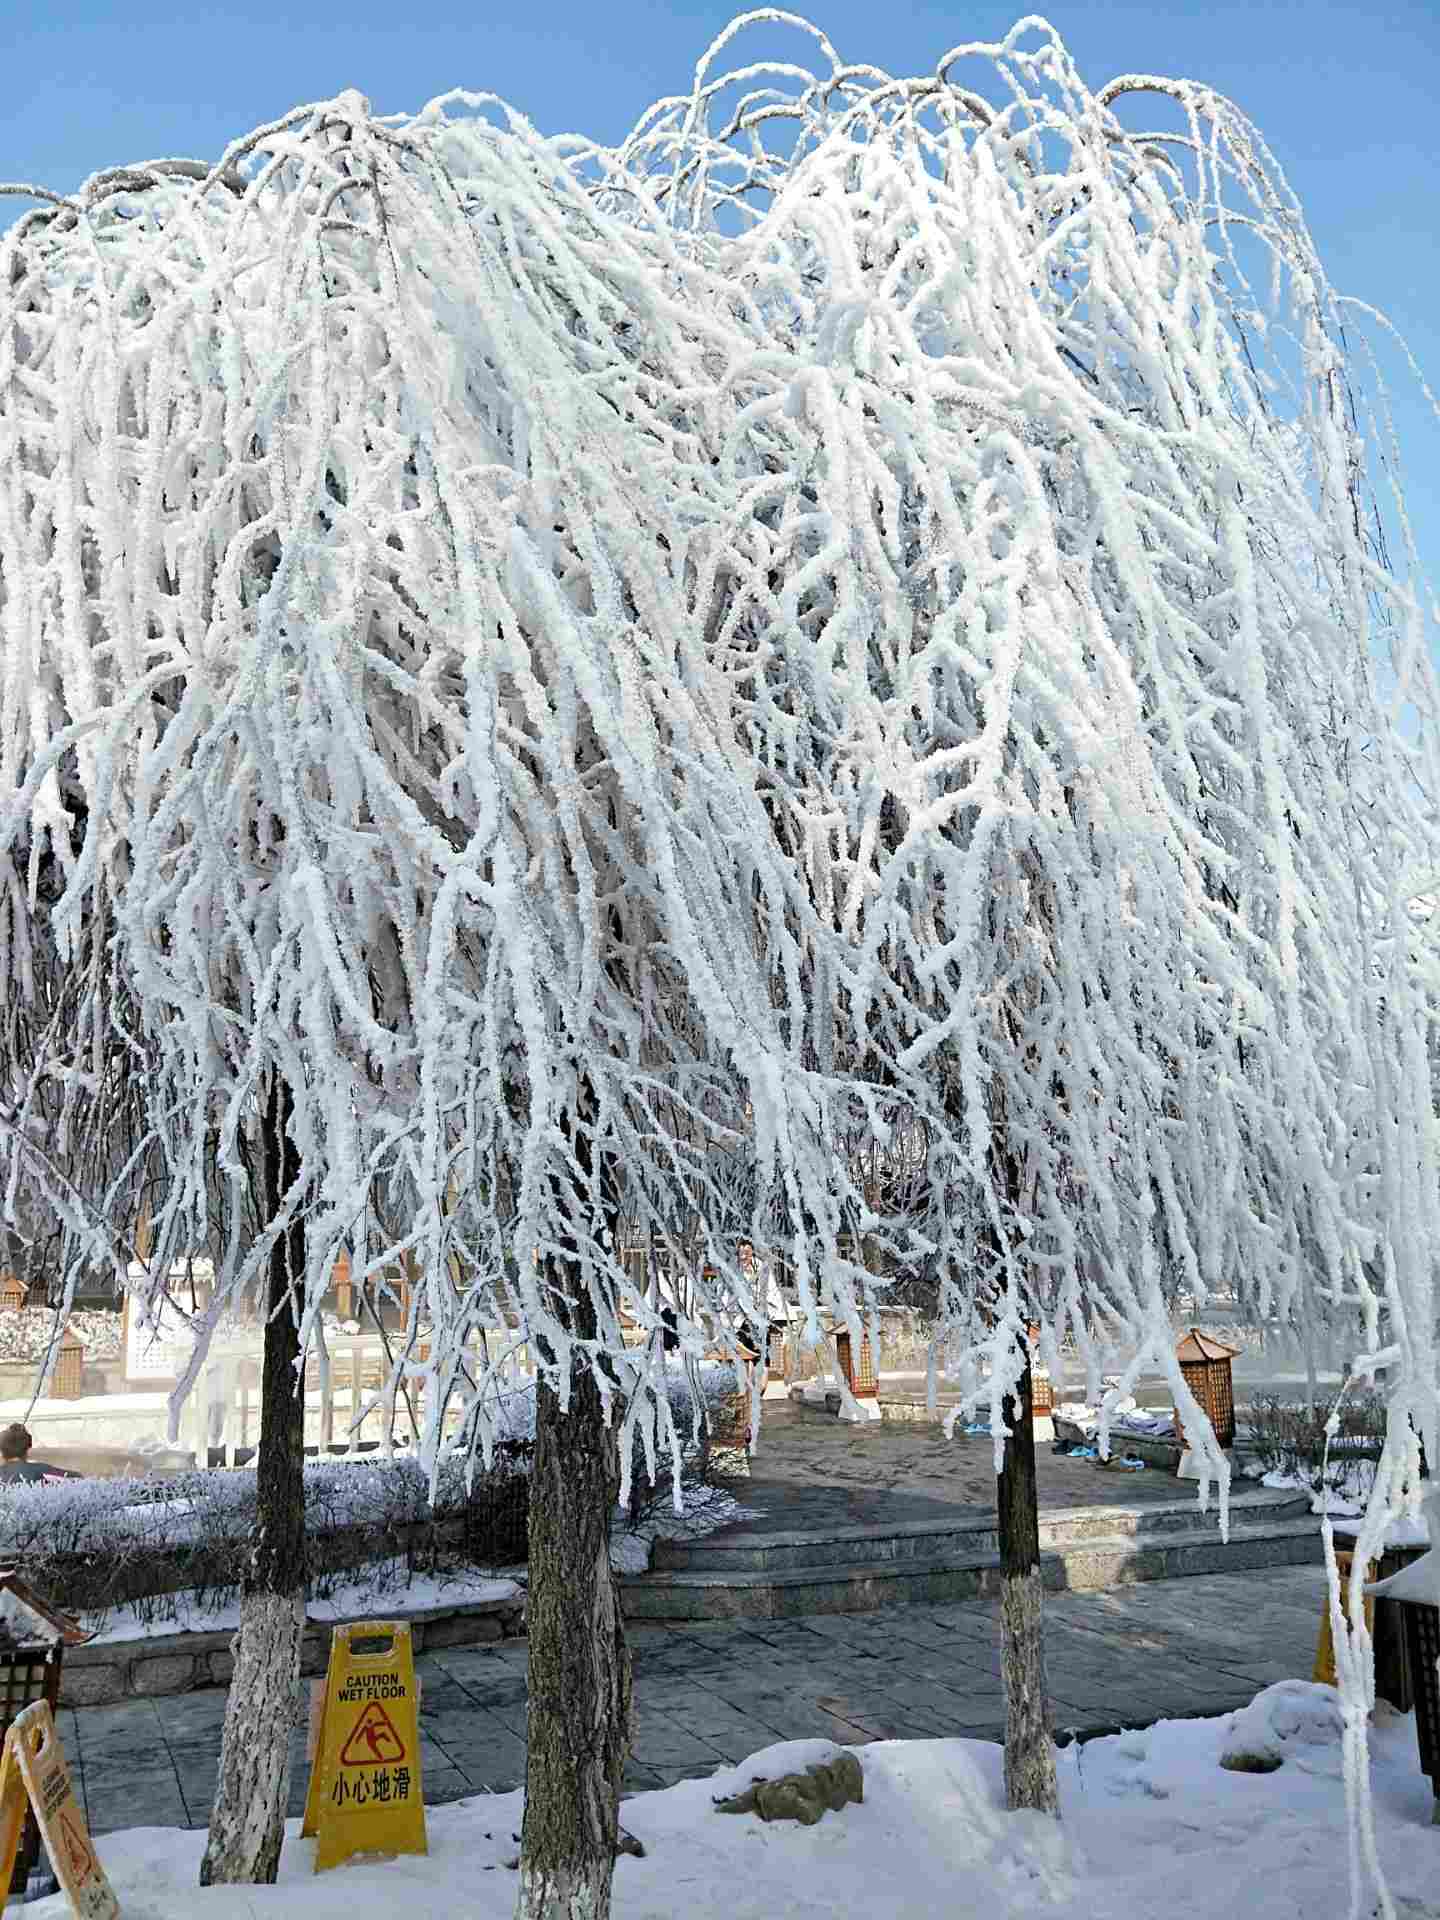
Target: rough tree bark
{"x":247,"y":1823}
{"x":579,"y":1726}
{"x":1030,"y":1779}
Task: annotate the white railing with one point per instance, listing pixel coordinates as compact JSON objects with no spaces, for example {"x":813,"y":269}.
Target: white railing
{"x":349,"y":1399}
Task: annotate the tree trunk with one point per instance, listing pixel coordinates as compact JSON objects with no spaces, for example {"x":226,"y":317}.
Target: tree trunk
{"x":579,"y":1725}
{"x":1029,"y":1753}
{"x":247,"y":1823}
{"x":579,"y":1663}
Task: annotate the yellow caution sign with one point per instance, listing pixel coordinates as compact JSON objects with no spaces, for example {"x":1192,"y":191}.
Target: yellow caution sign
{"x":14,"y":1805}
{"x":34,"y":1755}
{"x":365,"y":1794}
{"x":1324,"y":1668}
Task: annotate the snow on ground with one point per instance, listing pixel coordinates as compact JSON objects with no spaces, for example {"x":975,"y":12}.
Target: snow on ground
{"x":1347,"y":1487}
{"x":356,"y":1598}
{"x":1151,"y":1825}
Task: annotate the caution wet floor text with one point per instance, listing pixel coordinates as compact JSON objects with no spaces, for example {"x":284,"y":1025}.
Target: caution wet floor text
{"x":33,"y":1769}
{"x":365,"y":1794}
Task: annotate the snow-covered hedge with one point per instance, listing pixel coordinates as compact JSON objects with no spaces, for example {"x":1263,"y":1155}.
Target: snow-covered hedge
{"x":90,"y":1545}
{"x":26,"y":1333}
{"x":513,"y":1414}
{"x":1289,"y":1448}
{"x":1289,"y":1437}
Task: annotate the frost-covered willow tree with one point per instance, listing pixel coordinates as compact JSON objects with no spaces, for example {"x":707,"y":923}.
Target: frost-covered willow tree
{"x":600,"y":671}
{"x":363,"y":535}
{"x":1081,"y":528}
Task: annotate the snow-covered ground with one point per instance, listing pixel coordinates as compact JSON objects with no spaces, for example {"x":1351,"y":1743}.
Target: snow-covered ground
{"x":1151,"y":1825}
{"x":1347,"y":1487}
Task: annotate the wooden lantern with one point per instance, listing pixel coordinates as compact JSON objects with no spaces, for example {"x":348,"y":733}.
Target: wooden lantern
{"x":68,"y":1380}
{"x":1205,"y":1365}
{"x":1042,"y":1395}
{"x":12,"y":1291}
{"x":860,"y":1376}
{"x":340,"y":1277}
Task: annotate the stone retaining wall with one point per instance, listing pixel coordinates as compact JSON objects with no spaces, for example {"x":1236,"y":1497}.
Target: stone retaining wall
{"x":99,"y":1675}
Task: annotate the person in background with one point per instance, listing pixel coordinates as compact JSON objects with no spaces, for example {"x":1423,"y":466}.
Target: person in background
{"x":16,"y":1466}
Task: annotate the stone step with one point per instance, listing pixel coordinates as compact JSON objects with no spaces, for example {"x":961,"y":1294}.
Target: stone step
{"x":754,"y":1550}
{"x":1084,"y":1566}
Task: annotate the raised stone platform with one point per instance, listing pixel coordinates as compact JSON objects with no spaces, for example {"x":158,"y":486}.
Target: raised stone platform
{"x":747,"y":1572}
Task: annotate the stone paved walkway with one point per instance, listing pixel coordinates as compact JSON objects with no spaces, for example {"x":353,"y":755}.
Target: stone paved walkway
{"x":711,"y":1693}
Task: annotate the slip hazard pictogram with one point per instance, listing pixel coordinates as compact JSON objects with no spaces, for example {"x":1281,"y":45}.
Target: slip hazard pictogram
{"x":373,"y":1740}
{"x":82,"y":1860}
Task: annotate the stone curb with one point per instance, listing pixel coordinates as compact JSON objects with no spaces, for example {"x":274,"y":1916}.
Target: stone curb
{"x":101,"y":1675}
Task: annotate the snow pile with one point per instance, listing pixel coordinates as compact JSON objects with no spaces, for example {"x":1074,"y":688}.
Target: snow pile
{"x":1421,"y":1579}
{"x":1143,"y":1814}
{"x":1346,"y":1492}
{"x":1293,"y":1720}
{"x":349,"y":1600}
{"x":706,"y":1509}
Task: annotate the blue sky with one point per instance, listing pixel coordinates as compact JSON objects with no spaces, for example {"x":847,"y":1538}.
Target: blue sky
{"x":1345,"y":95}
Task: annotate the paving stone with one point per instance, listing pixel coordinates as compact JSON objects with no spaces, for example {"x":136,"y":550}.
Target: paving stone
{"x":926,"y":1633}
{"x":465,"y":1725}
{"x":462,"y":1630}
{"x":938,"y":1722}
{"x":679,"y":1753}
{"x":198,"y":1792}
{"x":493,"y":1771}
{"x":672,"y":1776}
{"x":741,"y":1742}
{"x":708,"y":1714}
{"x":126,"y":1716}
{"x":444,"y":1784}
{"x":143,"y":1766}
{"x":111,"y":1808}
{"x":873,"y":1724}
